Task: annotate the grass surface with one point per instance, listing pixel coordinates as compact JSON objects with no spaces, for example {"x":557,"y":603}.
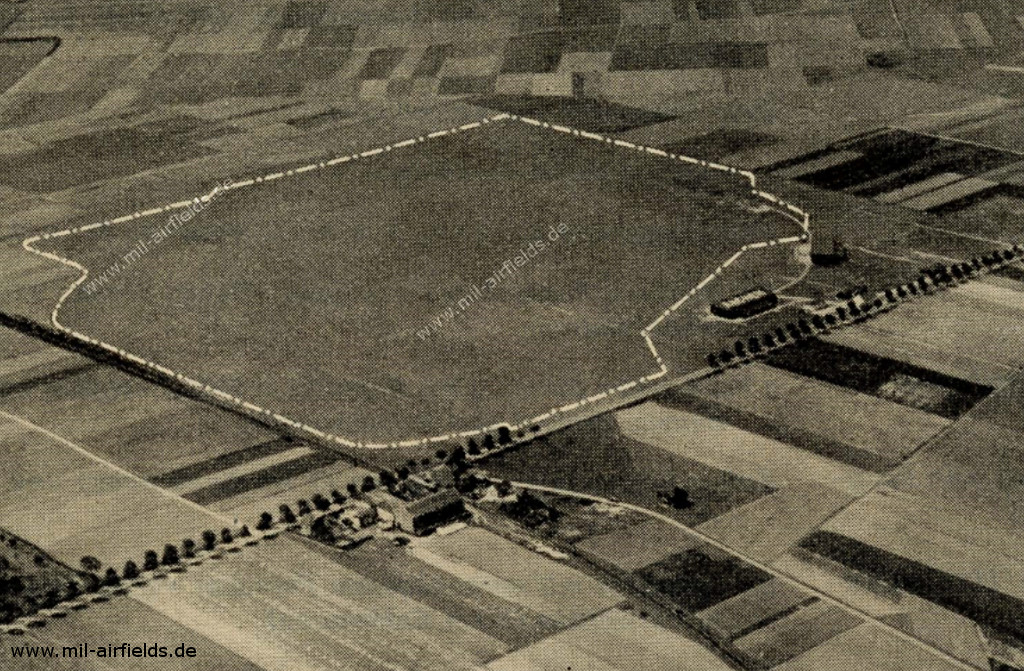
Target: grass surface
{"x":321,"y":324}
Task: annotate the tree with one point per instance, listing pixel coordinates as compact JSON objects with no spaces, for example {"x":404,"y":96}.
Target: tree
{"x":878,"y":304}
{"x":226,"y":536}
{"x":901,"y":291}
{"x":286,"y":516}
{"x":841,"y":313}
{"x":780,"y":335}
{"x":830,"y":319}
{"x":425,"y":461}
{"x":890,"y":295}
{"x":369,"y":484}
{"x":170,"y":557}
{"x":769,"y":340}
{"x":726,"y":356}
{"x":754,"y":343}
{"x":472,"y":448}
{"x":91,"y":564}
{"x":457,"y":457}
{"x":245,"y":533}
{"x":741,"y":349}
{"x":403,"y":472}
{"x":352,"y":489}
{"x":441,"y":454}
{"x":304,"y":508}
{"x":488,"y":442}
{"x":131,"y":571}
{"x":818,"y":322}
{"x":338,"y":497}
{"x":504,"y":436}
{"x":209,"y":540}
{"x":713,"y":360}
{"x":320,"y":502}
{"x":265,"y":522}
{"x":188,"y":547}
{"x":150,"y":561}
{"x":110,"y":579}
{"x":804,"y":327}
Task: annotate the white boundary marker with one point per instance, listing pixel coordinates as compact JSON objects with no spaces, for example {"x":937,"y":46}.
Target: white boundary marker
{"x":790,"y":211}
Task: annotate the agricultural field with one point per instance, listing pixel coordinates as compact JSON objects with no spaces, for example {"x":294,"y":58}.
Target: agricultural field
{"x":639,"y":545}
{"x":848,"y":423}
{"x":554,"y":294}
{"x":612,"y":641}
{"x":736,"y":452}
{"x":865,"y":648}
{"x":300,"y":611}
{"x":599,"y":457}
{"x":127,"y":621}
{"x":124,"y":516}
{"x":516,"y":574}
{"x":701,"y":577}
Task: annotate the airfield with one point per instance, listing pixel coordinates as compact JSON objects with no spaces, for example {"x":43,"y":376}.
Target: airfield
{"x":341,"y":318}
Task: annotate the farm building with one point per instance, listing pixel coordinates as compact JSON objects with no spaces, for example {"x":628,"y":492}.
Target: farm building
{"x":422,"y":514}
{"x":746,"y":304}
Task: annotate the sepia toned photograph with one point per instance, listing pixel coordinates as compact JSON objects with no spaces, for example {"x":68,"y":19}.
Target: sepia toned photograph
{"x":511,"y":335}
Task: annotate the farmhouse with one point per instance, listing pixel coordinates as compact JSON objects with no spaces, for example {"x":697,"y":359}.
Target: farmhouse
{"x":746,"y":304}
{"x":423,"y":514}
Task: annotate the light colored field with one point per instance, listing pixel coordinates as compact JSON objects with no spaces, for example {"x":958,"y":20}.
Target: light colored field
{"x":634,"y":547}
{"x":829,"y":582}
{"x":753,"y":606}
{"x":287,"y":608}
{"x":956,"y":363}
{"x":767,"y":527}
{"x":137,"y":425}
{"x":738,"y":451}
{"x":961,"y":322}
{"x":517,"y":574}
{"x":797,"y":633}
{"x":866,"y":648}
{"x":866,"y":422}
{"x":917,"y":529}
{"x":72,"y":505}
{"x":612,"y":641}
{"x":125,"y":621}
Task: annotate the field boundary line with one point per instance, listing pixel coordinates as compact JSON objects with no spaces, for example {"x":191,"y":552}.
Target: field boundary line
{"x":766,"y":567}
{"x":800,"y":217}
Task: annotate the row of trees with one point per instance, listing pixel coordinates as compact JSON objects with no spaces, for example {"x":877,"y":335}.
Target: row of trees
{"x":935,"y":277}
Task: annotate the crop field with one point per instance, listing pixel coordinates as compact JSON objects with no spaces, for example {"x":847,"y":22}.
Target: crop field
{"x":300,"y":611}
{"x":737,"y":452}
{"x":137,"y":425}
{"x":754,"y":608}
{"x":516,"y":574}
{"x":612,"y":641}
{"x":883,"y":377}
{"x":640,"y":545}
{"x":767,"y":527}
{"x":598,"y":457}
{"x":797,"y":633}
{"x":865,"y":423}
{"x":865,"y":648}
{"x":126,"y":621}
{"x":18,"y":57}
{"x":216,"y":303}
{"x":702,"y":577}
{"x":960,"y":322}
{"x":122,"y":518}
{"x":397,"y":569}
{"x":989,"y":607}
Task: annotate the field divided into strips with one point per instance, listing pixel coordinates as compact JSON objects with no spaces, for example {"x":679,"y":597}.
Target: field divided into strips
{"x":90,"y":506}
{"x":351,"y":386}
{"x":128,"y":621}
{"x":287,"y":608}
